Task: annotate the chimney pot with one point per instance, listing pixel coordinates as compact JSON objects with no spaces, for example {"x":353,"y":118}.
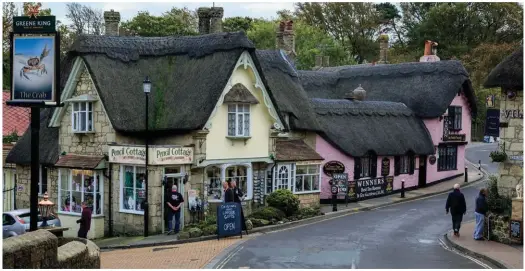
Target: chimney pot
{"x":285,"y":39}
{"x":318,"y":61}
{"x":326,"y":61}
{"x":204,"y":20}
{"x":112,"y":20}
{"x":430,"y":52}
{"x":216,"y":14}
{"x":383,"y":49}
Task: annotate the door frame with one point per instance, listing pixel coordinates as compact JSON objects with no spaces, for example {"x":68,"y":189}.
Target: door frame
{"x":422,"y":172}
{"x":180,"y":185}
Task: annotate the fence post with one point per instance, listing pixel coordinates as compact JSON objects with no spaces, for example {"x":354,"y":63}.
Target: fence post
{"x":403,"y":189}
{"x":466,"y":174}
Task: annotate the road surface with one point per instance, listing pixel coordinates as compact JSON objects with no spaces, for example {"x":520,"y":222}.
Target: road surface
{"x":405,"y":236}
{"x":481,"y":152}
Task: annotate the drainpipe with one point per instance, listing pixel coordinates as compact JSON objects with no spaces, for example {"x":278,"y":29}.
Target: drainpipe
{"x":110,"y":215}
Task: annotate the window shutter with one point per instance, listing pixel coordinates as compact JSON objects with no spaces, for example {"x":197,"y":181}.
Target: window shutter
{"x":397,"y":165}
{"x":373,"y":166}
{"x":357,"y":168}
{"x":412,"y":164}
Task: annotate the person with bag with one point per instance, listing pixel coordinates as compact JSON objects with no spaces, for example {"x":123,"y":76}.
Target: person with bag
{"x":457,"y":206}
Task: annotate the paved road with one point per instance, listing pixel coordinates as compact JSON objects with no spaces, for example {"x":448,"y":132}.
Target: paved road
{"x":399,"y":236}
{"x":482,"y":152}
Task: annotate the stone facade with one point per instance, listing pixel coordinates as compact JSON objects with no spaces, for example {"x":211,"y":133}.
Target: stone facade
{"x":498,"y":228}
{"x":309,"y":200}
{"x":511,"y":140}
{"x":24,"y":185}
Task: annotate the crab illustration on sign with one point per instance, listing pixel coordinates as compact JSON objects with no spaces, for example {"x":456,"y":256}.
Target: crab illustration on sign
{"x":35,"y":63}
{"x":33,"y":10}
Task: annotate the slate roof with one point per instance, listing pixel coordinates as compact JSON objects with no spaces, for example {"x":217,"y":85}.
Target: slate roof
{"x":386,"y":128}
{"x":508,"y":73}
{"x":15,"y":119}
{"x":21,"y":152}
{"x":427,"y":88}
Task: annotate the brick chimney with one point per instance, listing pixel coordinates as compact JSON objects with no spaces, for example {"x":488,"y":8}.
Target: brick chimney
{"x":112,"y":19}
{"x":430,"y":52}
{"x":204,"y":20}
{"x":216,"y":14}
{"x":285,"y":39}
{"x":383,"y":49}
{"x":326,"y":61}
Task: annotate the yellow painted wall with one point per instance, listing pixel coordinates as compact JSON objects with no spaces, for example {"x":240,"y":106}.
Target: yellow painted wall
{"x":220,"y":147}
{"x":70,"y":221}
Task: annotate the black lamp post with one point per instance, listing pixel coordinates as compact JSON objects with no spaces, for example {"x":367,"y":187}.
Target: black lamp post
{"x":146,"y":85}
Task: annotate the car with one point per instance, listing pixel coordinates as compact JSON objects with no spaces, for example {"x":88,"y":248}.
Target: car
{"x":17,"y":222}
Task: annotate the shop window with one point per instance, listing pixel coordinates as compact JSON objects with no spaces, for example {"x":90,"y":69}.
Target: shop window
{"x":239,"y":175}
{"x":132,"y":189}
{"x":76,"y":186}
{"x":239,"y":120}
{"x":283,"y":177}
{"x":366,"y":166}
{"x":82,"y":117}
{"x":454,"y":118}
{"x":448,"y":157}
{"x":404,"y":164}
{"x":42,"y":180}
{"x":307,"y":178}
{"x":214,"y":183}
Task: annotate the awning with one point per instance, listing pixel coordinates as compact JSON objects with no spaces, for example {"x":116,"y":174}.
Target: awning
{"x":81,"y":161}
{"x":295,"y":150}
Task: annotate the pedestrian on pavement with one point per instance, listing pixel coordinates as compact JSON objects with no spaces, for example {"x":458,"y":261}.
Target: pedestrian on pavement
{"x":175,"y":203}
{"x":238,"y":196}
{"x":228,"y":192}
{"x":457,"y":206}
{"x":84,"y":221}
{"x":481,"y":210}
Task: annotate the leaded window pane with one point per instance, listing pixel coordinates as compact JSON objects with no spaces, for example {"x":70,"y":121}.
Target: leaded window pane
{"x":231,"y":124}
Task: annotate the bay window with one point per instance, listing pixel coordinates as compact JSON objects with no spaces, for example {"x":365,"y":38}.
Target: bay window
{"x":307,"y":178}
{"x":300,"y":179}
{"x":242,"y":174}
{"x":132,"y":189}
{"x":239,"y":120}
{"x":76,"y":186}
{"x":214,"y":183}
{"x":82,"y":117}
{"x":239,"y":175}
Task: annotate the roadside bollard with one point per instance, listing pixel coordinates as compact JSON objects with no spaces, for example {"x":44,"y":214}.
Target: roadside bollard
{"x":466,"y":174}
{"x":479,"y":167}
{"x":403,"y":189}
{"x":335,"y":190}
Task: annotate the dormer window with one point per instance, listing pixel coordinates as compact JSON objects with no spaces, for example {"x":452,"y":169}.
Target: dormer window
{"x":82,"y":117}
{"x":239,"y":100}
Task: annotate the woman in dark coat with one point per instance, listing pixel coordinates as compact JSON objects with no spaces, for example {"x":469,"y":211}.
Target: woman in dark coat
{"x":229,"y":195}
{"x":237,"y":197}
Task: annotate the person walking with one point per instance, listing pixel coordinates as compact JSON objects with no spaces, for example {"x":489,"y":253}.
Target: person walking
{"x":481,"y":210}
{"x":175,"y":203}
{"x":238,"y":196}
{"x":457,"y":206}
{"x":84,"y":221}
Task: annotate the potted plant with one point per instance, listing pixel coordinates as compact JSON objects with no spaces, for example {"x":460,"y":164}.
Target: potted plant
{"x":498,"y":156}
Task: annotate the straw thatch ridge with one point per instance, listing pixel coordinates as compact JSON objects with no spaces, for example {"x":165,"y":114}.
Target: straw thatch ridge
{"x":49,"y":151}
{"x":508,"y":73}
{"x":426,"y":88}
{"x":386,"y":128}
{"x":284,"y":84}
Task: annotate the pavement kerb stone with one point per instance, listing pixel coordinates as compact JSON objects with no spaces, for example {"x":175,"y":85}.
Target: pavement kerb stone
{"x":469,"y":252}
{"x":266,"y":229}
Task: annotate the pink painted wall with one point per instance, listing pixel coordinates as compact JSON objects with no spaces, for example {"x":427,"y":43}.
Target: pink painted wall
{"x":330,"y":153}
{"x":435,"y":127}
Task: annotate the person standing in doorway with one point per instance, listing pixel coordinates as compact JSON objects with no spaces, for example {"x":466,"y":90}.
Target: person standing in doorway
{"x":175,"y":203}
{"x":84,"y":221}
{"x":481,"y":210}
{"x":457,"y":206}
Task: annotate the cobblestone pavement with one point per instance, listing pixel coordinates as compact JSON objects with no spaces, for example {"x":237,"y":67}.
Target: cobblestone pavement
{"x":185,"y":256}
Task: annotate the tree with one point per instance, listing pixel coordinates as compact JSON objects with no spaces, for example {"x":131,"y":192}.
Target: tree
{"x":8,"y":11}
{"x":355,"y":25}
{"x":234,"y":24}
{"x":174,"y":22}
{"x":86,"y":20}
{"x":390,"y":19}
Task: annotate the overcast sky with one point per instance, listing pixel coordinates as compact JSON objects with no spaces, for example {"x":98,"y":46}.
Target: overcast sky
{"x":129,"y":9}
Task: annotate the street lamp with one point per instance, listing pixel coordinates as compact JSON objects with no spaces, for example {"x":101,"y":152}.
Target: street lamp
{"x":146,"y":86}
{"x":45,"y":207}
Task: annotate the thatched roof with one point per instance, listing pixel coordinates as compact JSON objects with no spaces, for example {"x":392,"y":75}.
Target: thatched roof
{"x":188,"y":76}
{"x":508,"y":73}
{"x":21,"y":152}
{"x":386,"y":128}
{"x":284,"y":84}
{"x":427,"y":88}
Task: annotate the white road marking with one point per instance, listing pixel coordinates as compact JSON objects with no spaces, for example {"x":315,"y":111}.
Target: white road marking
{"x":229,"y":257}
{"x":463,"y":255}
{"x":425,"y":241}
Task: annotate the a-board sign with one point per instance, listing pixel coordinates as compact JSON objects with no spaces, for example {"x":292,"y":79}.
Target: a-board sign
{"x":340,"y":180}
{"x":229,"y":219}
{"x":515,"y":229}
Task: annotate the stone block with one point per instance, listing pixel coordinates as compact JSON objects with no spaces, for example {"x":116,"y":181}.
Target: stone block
{"x":517,"y":209}
{"x":73,"y":255}
{"x":30,"y":251}
{"x":518,"y":147}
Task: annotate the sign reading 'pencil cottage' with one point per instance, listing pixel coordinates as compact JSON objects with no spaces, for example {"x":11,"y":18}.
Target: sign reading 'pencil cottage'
{"x":164,"y":155}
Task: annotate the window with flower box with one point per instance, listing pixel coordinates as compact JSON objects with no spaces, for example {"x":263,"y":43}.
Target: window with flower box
{"x":76,"y":186}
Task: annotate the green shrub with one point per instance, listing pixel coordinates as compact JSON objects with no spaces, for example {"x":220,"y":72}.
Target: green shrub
{"x":211,"y":220}
{"x":268,"y":213}
{"x":308,"y":212}
{"x":497,"y":203}
{"x":498,"y":156}
{"x":210,"y":230}
{"x":284,"y":200}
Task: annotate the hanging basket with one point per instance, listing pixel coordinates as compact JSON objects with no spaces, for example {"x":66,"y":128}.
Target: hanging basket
{"x":498,"y":156}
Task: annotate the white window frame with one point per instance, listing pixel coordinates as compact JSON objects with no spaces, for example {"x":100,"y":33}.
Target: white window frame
{"x":121,"y":195}
{"x":249,"y":179}
{"x":40,"y":184}
{"x":238,"y":114}
{"x":96,"y":173}
{"x":233,"y":177}
{"x":404,"y":164}
{"x":75,"y":115}
{"x":277,"y":182}
{"x":318,"y":174}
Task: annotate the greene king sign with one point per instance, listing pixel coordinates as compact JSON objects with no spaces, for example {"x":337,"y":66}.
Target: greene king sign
{"x":158,"y":155}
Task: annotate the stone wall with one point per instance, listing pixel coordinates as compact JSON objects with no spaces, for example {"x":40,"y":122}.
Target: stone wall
{"x":43,"y":250}
{"x":511,"y":171}
{"x":24,"y":183}
{"x":498,"y":228}
{"x":310,"y":200}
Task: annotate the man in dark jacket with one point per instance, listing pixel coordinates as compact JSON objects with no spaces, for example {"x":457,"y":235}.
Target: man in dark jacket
{"x":481,"y":210}
{"x":175,"y":204}
{"x":85,"y":221}
{"x":457,"y":206}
